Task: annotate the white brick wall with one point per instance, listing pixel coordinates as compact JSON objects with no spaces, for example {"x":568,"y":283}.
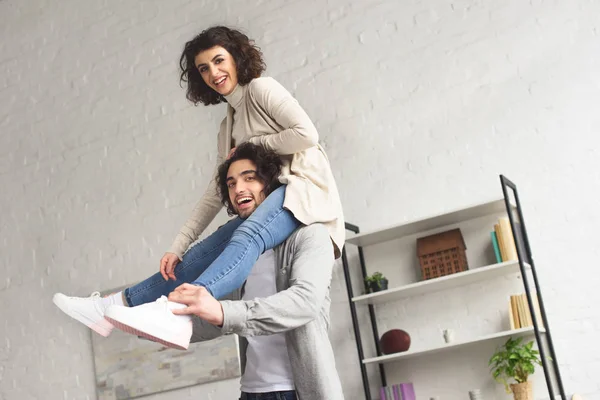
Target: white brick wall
{"x":420,"y":107}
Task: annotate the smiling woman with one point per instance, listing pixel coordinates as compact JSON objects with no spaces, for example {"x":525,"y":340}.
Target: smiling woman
{"x":217,"y":69}
{"x":223,"y":65}
{"x":223,"y":51}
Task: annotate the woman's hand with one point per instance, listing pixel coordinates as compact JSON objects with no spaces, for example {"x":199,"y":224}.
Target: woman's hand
{"x":167,"y":265}
{"x":231,"y":153}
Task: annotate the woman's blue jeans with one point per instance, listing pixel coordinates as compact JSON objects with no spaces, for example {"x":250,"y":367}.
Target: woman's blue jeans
{"x":222,"y":262}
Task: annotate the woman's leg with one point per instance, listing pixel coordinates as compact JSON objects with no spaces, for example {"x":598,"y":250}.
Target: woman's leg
{"x":222,"y":262}
{"x":268,"y":226}
{"x":196,"y":260}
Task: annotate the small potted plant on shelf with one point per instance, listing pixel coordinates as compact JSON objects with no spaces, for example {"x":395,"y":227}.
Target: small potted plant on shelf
{"x":376,"y":282}
{"x":515,"y":362}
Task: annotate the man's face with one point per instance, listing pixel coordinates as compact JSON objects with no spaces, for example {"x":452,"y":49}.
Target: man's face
{"x":245,"y":189}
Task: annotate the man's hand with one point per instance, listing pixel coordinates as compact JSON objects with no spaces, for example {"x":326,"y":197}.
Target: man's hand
{"x":167,"y":265}
{"x":199,"y":302}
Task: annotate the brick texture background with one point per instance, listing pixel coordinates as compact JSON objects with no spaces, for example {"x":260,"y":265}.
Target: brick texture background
{"x":420,"y":106}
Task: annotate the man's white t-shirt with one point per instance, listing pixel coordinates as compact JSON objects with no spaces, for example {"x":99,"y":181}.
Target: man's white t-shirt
{"x":268,"y":367}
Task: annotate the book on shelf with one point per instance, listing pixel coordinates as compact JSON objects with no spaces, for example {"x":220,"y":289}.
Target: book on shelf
{"x":519,"y":314}
{"x":504,"y":240}
{"x":398,"y":391}
{"x":496,"y":247}
{"x":505,"y":244}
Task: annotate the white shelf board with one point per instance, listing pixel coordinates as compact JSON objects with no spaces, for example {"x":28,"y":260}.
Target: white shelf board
{"x":437,"y":221}
{"x":451,"y":346}
{"x":441,"y":283}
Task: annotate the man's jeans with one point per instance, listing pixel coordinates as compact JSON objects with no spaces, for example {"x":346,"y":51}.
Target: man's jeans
{"x":287,"y":395}
{"x":222,"y":262}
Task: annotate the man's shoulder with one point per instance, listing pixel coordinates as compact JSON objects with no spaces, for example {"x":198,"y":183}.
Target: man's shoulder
{"x":308,"y":246}
{"x":316,"y":229}
{"x":308,"y":235}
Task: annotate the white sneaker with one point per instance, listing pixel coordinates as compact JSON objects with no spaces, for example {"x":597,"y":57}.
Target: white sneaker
{"x":154,"y":321}
{"x":87,"y":310}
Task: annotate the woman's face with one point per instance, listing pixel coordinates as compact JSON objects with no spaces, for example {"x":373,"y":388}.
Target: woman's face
{"x":218,"y":70}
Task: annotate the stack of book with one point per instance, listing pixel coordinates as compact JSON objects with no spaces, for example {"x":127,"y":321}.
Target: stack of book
{"x":400,"y":391}
{"x":519,"y":314}
{"x":503,"y":241}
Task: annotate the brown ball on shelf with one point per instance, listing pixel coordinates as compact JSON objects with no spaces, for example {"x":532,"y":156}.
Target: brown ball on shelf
{"x":394,"y":341}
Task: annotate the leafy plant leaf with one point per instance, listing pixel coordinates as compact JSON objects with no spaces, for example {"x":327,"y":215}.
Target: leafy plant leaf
{"x":514,"y":361}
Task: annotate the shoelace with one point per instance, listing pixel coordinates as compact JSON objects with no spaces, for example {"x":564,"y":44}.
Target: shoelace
{"x":98,"y":305}
{"x":163,"y":300}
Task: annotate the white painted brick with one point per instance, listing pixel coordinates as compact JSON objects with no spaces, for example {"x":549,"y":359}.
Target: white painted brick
{"x":421,"y":106}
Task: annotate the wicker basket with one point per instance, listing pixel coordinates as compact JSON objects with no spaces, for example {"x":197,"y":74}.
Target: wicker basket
{"x":442,"y":254}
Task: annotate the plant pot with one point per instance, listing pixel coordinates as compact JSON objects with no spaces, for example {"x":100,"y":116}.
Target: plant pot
{"x":522,"y":391}
{"x":376,"y":287}
{"x":384,"y":284}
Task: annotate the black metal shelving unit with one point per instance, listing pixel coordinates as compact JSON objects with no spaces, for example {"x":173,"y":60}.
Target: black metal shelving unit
{"x":526,"y":262}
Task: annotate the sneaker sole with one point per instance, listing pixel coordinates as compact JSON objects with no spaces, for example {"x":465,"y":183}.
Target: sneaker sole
{"x":174,"y":344}
{"x":102,"y":327}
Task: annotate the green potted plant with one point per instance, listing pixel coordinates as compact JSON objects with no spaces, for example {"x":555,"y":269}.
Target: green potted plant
{"x":376,"y":282}
{"x":515,"y":361}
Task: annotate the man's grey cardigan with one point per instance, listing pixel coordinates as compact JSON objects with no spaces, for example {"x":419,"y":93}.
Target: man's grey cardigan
{"x":300,"y":308}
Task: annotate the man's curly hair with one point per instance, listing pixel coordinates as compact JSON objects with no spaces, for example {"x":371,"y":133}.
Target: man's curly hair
{"x":268,"y":169}
{"x":248,"y":60}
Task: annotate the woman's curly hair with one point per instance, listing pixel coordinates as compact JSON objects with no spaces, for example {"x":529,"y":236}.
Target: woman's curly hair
{"x":268,"y":170}
{"x":248,"y":60}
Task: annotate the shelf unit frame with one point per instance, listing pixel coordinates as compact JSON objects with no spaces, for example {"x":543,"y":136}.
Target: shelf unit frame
{"x":525,"y":261}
